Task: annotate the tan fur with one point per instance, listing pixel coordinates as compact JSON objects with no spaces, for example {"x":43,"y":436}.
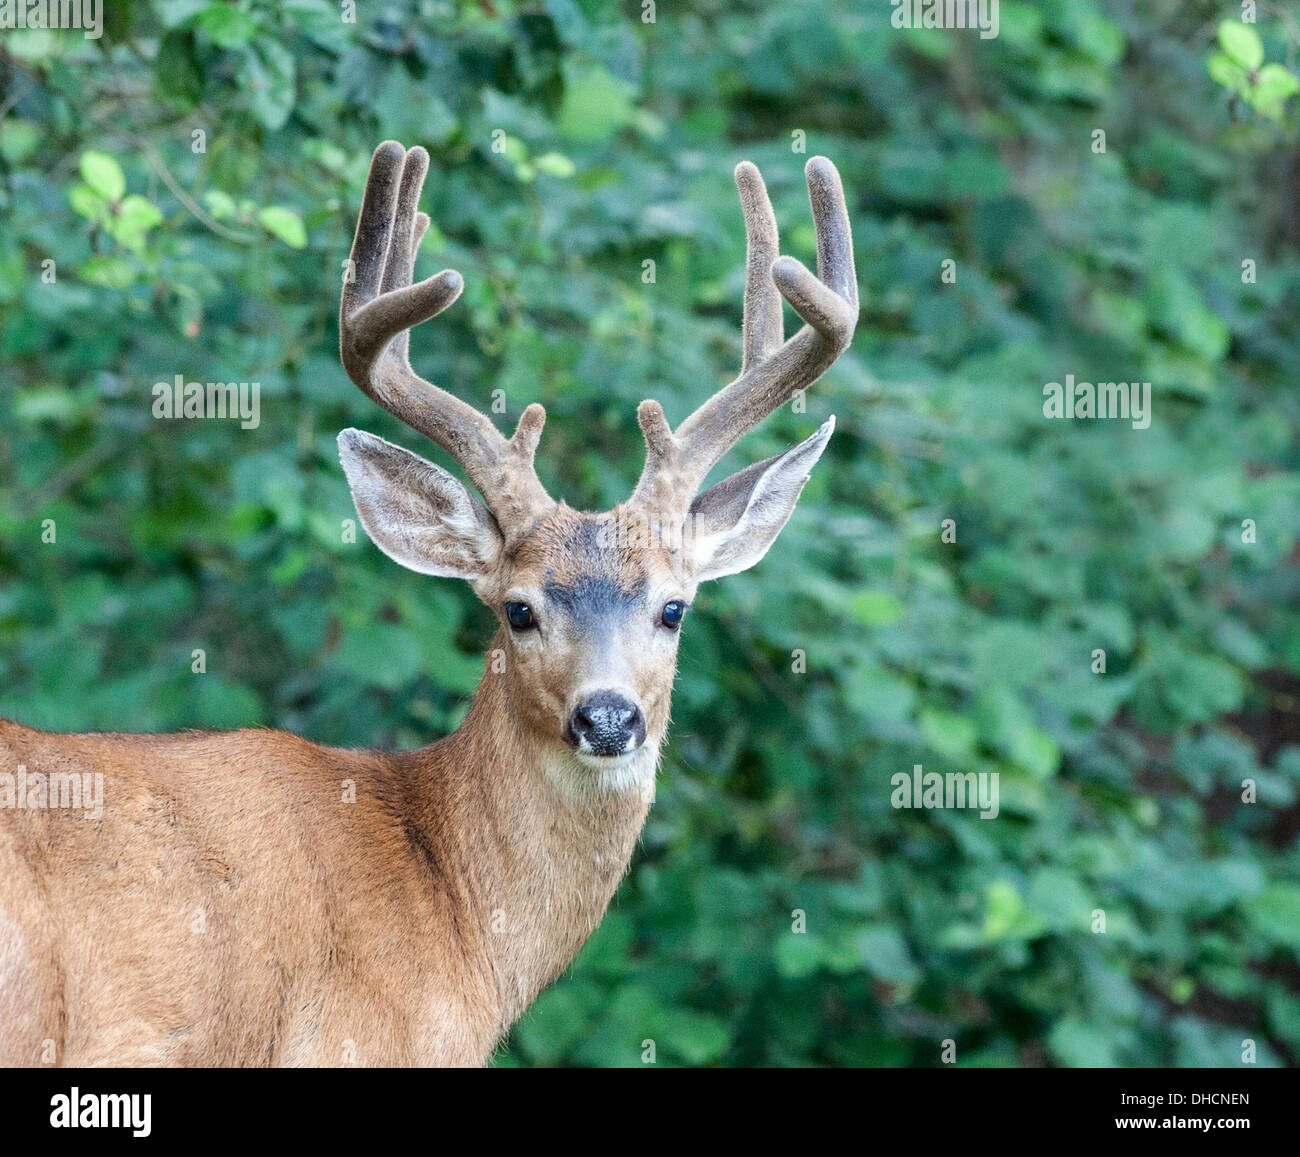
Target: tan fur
{"x":332,"y":931}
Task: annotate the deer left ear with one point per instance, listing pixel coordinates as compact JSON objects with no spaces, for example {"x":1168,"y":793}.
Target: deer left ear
{"x":733,"y":523}
{"x":417,"y":513}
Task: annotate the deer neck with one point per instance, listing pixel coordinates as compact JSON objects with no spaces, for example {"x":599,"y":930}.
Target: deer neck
{"x":541,"y":839}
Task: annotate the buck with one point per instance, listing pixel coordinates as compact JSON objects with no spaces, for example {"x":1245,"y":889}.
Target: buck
{"x":251,"y":898}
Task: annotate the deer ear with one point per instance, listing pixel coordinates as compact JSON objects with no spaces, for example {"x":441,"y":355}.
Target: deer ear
{"x":735,"y":522}
{"x":417,"y":513}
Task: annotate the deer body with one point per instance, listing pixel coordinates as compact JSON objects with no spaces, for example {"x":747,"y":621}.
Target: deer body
{"x":230,"y":909}
{"x":252,"y":898}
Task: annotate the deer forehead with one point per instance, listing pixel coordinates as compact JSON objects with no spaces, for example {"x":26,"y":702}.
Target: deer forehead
{"x":592,"y":562}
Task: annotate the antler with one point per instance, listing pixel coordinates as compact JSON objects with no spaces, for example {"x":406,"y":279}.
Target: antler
{"x":380,"y":305}
{"x":772,"y":368}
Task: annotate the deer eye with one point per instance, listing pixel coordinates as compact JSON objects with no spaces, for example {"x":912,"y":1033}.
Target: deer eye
{"x":672,"y":614}
{"x":520,"y":616}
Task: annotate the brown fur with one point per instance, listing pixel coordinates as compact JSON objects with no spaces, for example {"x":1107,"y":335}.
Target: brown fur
{"x":324,"y":922}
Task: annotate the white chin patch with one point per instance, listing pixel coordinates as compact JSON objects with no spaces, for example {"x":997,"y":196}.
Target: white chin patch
{"x":580,"y":773}
{"x":605,"y":762}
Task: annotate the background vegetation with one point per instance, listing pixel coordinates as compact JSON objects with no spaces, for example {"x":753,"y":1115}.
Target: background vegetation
{"x":1120,"y":791}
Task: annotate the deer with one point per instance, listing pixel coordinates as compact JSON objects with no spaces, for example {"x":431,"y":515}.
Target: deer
{"x":251,"y":898}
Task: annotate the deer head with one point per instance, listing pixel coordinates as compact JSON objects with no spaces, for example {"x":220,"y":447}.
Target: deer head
{"x":590,"y":605}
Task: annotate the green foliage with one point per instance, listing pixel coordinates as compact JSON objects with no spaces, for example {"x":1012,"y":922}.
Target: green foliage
{"x":1240,"y":68}
{"x":571,"y":143}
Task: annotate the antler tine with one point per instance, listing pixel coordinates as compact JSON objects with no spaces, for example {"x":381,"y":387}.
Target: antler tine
{"x":379,"y":306}
{"x":772,"y":369}
{"x":762,"y":327}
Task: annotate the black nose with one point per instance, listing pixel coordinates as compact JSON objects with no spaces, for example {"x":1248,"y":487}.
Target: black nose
{"x":607,"y":724}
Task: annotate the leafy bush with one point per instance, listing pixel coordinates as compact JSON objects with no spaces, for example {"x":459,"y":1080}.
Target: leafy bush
{"x":572,"y":143}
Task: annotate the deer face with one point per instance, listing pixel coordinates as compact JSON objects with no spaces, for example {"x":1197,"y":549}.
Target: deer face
{"x":591,"y":612}
{"x":590,"y":604}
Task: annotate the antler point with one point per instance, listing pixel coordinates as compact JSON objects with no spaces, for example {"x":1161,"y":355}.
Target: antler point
{"x":528,"y":431}
{"x":654,"y":425}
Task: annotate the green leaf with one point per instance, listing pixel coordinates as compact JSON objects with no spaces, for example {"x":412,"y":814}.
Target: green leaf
{"x":1242,"y":43}
{"x":228,"y":26}
{"x":176,"y":13}
{"x":694,"y":1036}
{"x":221,"y":205}
{"x":798,"y":954}
{"x":885,"y":956}
{"x":555,"y":165}
{"x":135,"y":217}
{"x":1275,"y":914}
{"x":103,"y":174}
{"x":1274,"y":86}
{"x":110,"y":272}
{"x":879,"y":695}
{"x":50,"y":402}
{"x":558,"y":1019}
{"x":219,"y":702}
{"x":1081,"y":1043}
{"x":85,"y":201}
{"x":1284,"y":1016}
{"x":381,"y":654}
{"x":1006,"y":916}
{"x":1202,"y":686}
{"x":1060,"y":900}
{"x":951,"y":735}
{"x":1227,"y":72}
{"x":595,"y":106}
{"x":267,"y":75}
{"x":284,"y":224}
{"x":876,"y":608}
{"x":177,"y":73}
{"x":18,"y":139}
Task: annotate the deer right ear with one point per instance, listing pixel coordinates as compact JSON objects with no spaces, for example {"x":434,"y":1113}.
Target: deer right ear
{"x":735,"y":521}
{"x":417,"y":513}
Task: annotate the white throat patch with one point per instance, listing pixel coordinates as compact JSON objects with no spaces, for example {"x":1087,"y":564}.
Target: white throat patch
{"x":579,"y":776}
